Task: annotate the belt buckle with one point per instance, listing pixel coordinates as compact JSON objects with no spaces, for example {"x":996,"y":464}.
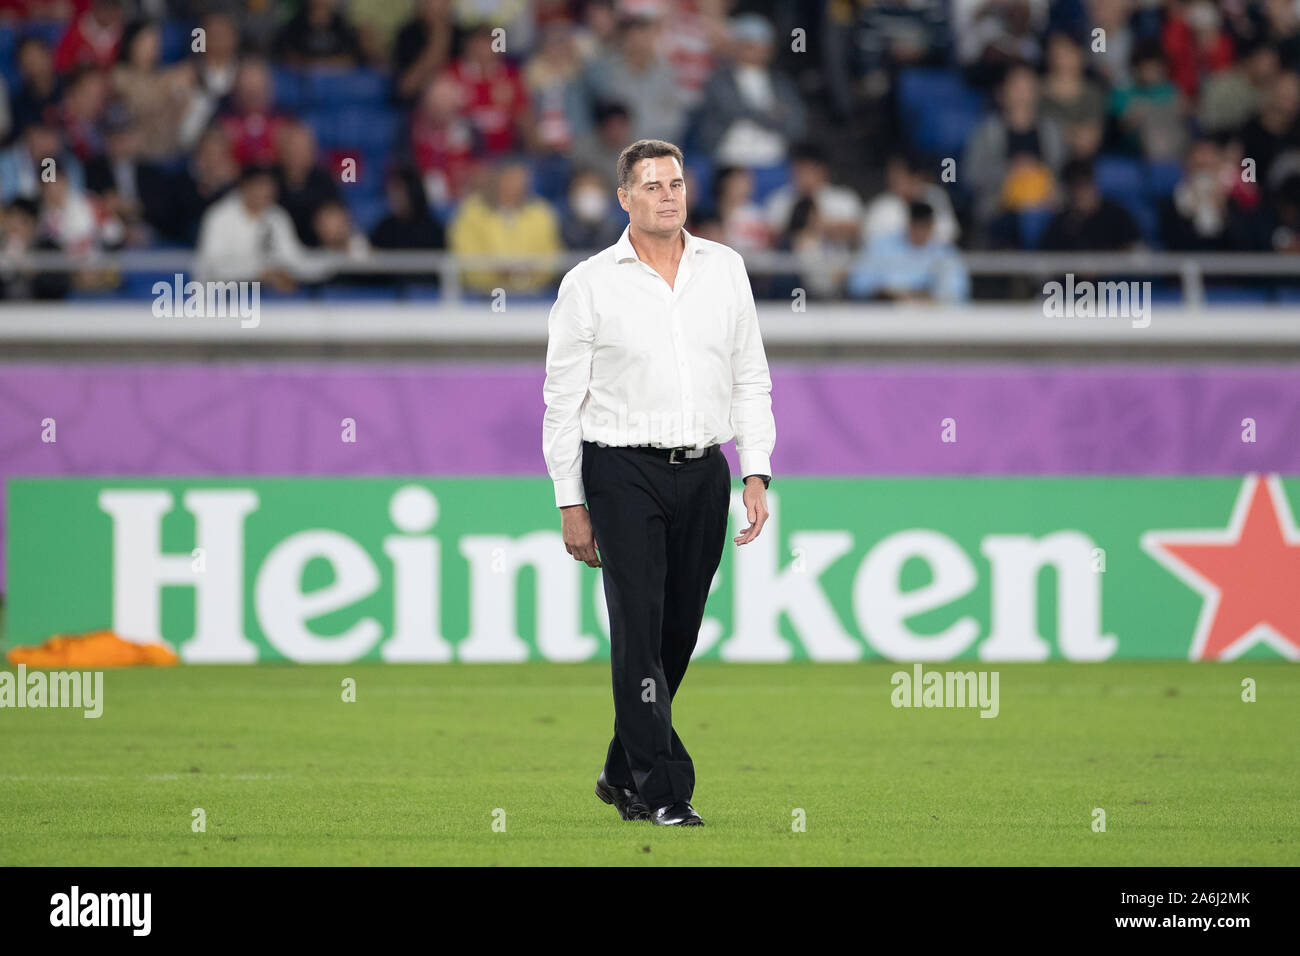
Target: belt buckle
{"x":672,"y":457}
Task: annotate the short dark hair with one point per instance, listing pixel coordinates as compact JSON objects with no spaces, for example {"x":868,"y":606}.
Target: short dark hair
{"x":645,"y":149}
{"x":1147,"y":50}
{"x":920,"y":212}
{"x":606,"y":109}
{"x":256,"y":171}
{"x":808,"y":152}
{"x":27,"y":207}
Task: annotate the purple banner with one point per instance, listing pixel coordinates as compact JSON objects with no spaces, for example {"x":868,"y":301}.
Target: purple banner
{"x":468,"y":419}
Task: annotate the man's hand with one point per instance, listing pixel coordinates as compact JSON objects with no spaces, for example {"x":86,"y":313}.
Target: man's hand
{"x":755,"y":507}
{"x":579,"y":541}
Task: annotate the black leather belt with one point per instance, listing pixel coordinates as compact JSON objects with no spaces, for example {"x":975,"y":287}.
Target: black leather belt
{"x":675,"y":456}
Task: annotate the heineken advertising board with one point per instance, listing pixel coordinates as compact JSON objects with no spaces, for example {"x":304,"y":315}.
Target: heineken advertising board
{"x":461,"y":569}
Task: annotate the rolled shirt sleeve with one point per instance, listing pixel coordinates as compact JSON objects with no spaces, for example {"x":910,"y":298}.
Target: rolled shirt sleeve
{"x":571,"y":341}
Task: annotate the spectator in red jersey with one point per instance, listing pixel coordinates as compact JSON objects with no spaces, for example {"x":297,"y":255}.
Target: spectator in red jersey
{"x":92,"y":38}
{"x":492,"y":94}
{"x":446,"y":147}
{"x":1195,"y":44}
{"x":252,"y":124}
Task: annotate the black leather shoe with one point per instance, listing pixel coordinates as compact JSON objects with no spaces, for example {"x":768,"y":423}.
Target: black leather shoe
{"x":629,"y":804}
{"x":677,"y":815}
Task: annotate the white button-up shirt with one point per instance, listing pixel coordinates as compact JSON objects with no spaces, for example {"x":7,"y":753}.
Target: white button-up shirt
{"x":631,"y":361}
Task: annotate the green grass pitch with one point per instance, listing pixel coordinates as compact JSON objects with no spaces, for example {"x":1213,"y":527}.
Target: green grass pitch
{"x":417,"y":769}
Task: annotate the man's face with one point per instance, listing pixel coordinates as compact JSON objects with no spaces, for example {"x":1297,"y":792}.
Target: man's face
{"x":512,"y":186}
{"x":639,"y":41}
{"x":809,"y":176}
{"x":35,"y":60}
{"x":1084,"y":196}
{"x":919,"y":231}
{"x":655,"y":199}
{"x":223,"y":38}
{"x":253,"y":88}
{"x":298,"y":147}
{"x":753,"y":52}
{"x":259,"y":193}
{"x":108,"y":15}
{"x":42,"y":142}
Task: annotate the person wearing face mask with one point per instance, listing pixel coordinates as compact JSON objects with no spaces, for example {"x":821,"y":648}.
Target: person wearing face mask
{"x":589,"y":222}
{"x":1206,"y":212}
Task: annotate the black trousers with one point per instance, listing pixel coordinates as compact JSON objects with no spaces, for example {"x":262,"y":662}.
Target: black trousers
{"x":660,"y":529}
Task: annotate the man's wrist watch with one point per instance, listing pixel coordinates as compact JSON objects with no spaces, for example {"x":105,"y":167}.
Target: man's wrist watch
{"x":767,"y":479}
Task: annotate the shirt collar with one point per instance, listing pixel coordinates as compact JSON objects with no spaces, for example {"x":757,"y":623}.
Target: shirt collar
{"x":624,"y":251}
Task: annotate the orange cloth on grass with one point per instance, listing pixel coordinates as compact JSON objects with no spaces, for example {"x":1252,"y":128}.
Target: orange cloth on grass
{"x":92,"y":649}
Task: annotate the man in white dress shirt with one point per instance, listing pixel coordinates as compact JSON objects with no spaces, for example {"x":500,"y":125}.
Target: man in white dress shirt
{"x":654,"y":360}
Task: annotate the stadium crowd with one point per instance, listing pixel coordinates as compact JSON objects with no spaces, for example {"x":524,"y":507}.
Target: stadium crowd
{"x":257,"y":132}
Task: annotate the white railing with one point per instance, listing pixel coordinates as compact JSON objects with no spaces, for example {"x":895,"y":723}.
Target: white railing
{"x":1189,"y":268}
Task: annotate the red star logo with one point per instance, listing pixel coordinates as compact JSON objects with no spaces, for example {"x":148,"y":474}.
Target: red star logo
{"x":1248,"y":573}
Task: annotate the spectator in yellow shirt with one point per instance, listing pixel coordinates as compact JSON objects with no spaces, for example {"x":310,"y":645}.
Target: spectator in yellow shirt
{"x":505,"y":218}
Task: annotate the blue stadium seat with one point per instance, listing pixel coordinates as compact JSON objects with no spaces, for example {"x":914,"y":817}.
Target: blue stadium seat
{"x":176,"y":40}
{"x":358,"y":293}
{"x":288,"y":89}
{"x":369,"y":184}
{"x":939,"y":109}
{"x":9,"y":57}
{"x":1033,"y":223}
{"x":1229,"y":294}
{"x":1119,"y":177}
{"x":421,"y":292}
{"x":1161,"y":178}
{"x":366,"y":210}
{"x":768,"y":179}
{"x":924,"y":88}
{"x":1145,"y":215}
{"x":551,"y":177}
{"x":366,"y":126}
{"x":363,"y":87}
{"x":701,"y":170}
{"x":1164,"y":292}
{"x":47,"y":30}
{"x":944,"y":130}
{"x":139,"y":285}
